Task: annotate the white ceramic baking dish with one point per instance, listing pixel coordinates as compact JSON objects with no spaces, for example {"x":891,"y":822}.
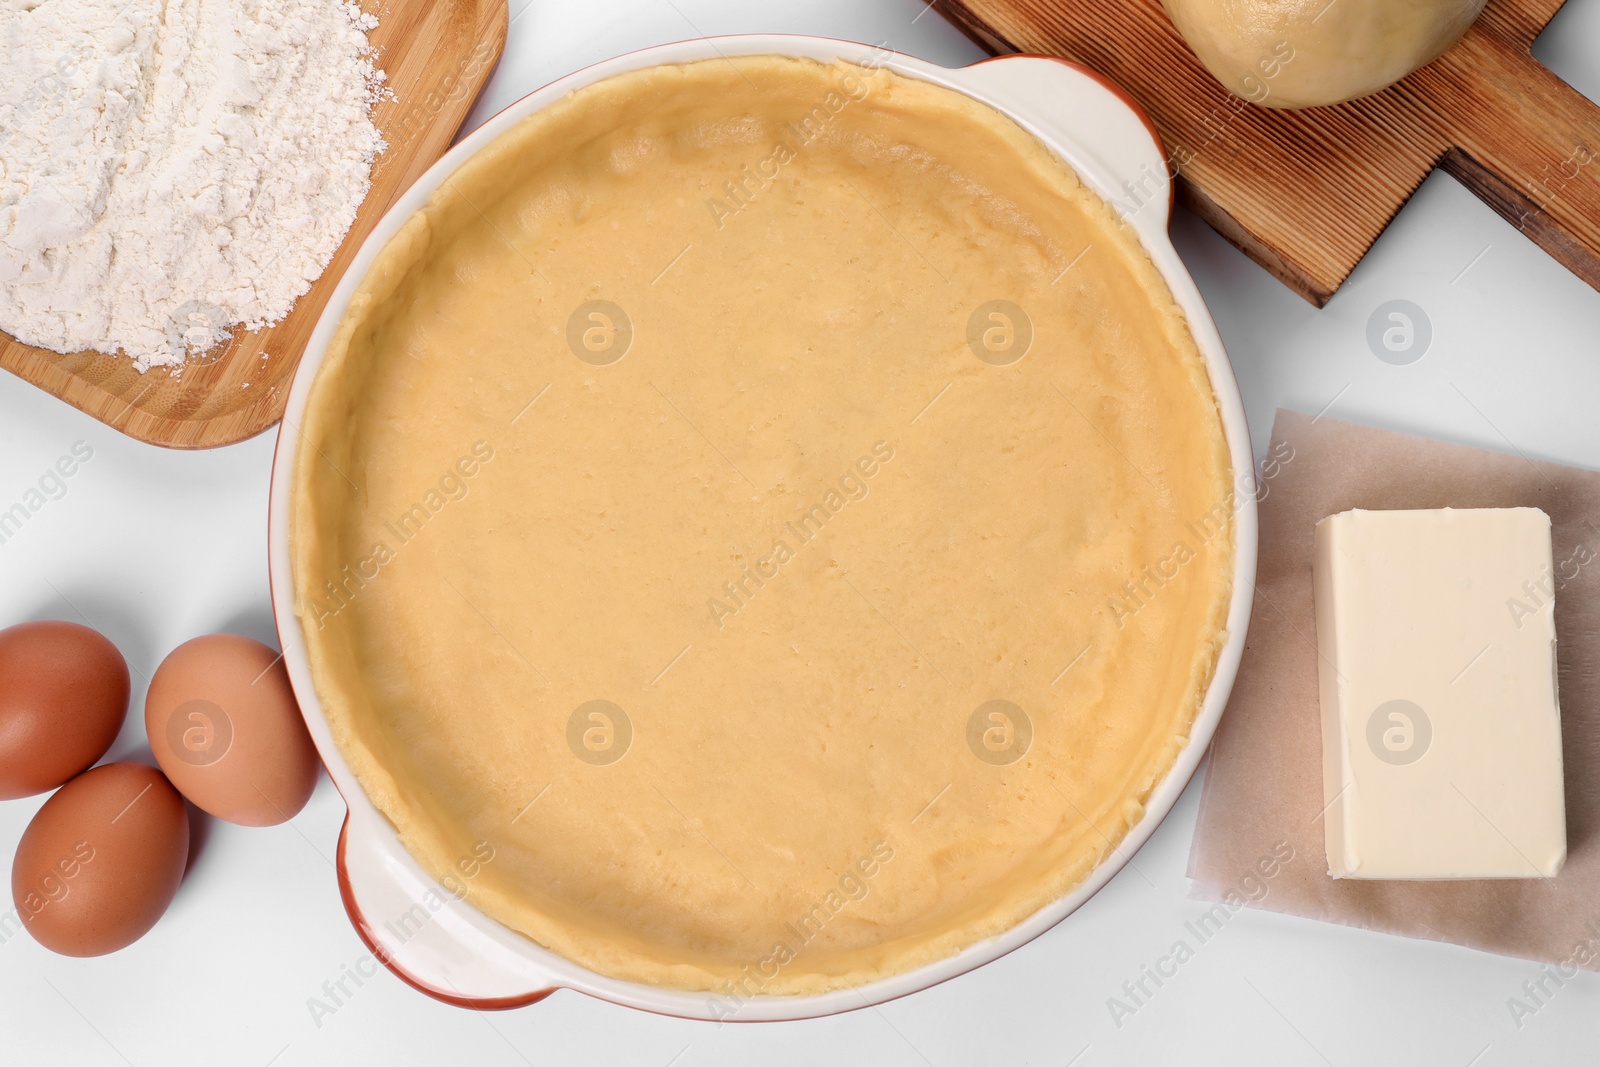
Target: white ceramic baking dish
{"x":442,"y":946}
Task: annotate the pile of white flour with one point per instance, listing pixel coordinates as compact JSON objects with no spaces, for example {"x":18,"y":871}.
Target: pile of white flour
{"x":170,"y":169}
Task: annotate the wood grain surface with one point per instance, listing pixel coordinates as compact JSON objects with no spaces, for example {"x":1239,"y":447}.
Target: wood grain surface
{"x":437,"y":55}
{"x":1306,"y":193}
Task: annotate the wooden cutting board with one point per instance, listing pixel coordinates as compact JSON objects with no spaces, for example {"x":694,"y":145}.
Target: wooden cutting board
{"x":437,"y":54}
{"x":1306,"y":193}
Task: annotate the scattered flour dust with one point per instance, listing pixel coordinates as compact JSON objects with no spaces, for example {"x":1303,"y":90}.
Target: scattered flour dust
{"x":171,"y":169}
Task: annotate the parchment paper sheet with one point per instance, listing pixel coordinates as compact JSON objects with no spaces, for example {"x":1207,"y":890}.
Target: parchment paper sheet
{"x":1263,"y":784}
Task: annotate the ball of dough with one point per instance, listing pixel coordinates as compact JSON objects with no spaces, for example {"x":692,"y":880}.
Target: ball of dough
{"x":1307,"y":53}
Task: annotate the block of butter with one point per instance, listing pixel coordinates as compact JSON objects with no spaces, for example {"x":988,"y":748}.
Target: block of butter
{"x":1441,"y":731}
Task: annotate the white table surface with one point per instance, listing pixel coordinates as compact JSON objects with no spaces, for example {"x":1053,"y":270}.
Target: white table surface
{"x":153,"y":547}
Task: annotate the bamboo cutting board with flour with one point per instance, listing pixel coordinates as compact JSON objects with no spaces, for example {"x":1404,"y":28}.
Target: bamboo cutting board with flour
{"x":1306,"y":193}
{"x":436,"y":54}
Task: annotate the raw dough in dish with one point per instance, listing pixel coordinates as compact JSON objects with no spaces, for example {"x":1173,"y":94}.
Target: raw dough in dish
{"x":798,"y":413}
{"x":1309,"y":53}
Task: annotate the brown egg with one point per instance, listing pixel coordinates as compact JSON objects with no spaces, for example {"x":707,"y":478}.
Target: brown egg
{"x":63,"y":696}
{"x":101,"y":861}
{"x":224,"y":725}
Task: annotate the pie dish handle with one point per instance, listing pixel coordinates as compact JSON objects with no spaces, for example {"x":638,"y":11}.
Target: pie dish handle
{"x":423,"y":932}
{"x":1104,"y":133}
